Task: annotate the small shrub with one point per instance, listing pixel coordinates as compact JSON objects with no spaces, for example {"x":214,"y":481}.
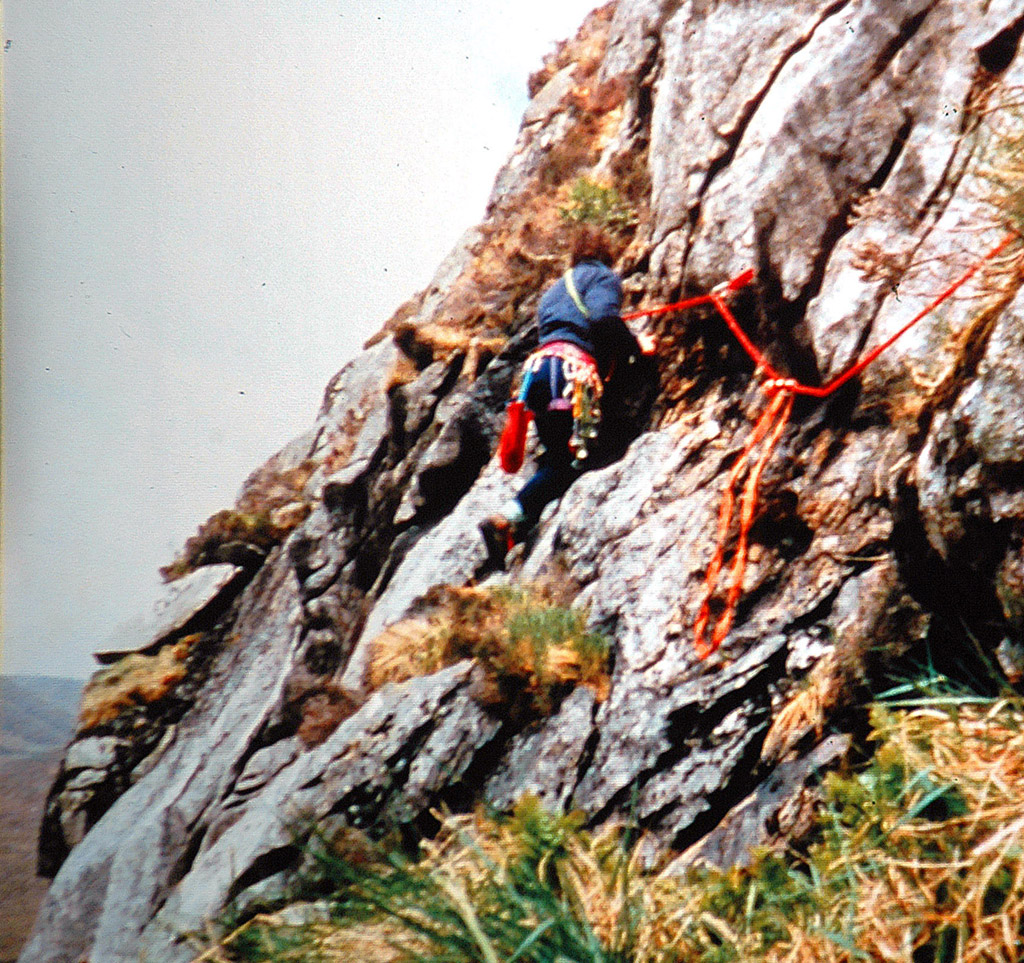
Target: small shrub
{"x":593,"y":203}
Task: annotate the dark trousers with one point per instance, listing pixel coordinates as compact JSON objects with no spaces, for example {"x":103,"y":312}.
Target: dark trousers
{"x":553,"y":417}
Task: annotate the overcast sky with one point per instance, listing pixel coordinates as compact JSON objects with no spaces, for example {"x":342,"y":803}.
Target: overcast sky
{"x":208,"y":207}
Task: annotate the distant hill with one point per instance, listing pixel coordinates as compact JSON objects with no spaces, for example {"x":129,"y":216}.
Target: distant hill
{"x":37,"y":713}
{"x":37,"y":720}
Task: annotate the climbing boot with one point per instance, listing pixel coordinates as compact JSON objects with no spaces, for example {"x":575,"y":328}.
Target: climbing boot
{"x":499,"y":537}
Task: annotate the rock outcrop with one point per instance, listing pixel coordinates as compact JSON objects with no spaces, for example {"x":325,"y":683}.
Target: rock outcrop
{"x":840,"y":148}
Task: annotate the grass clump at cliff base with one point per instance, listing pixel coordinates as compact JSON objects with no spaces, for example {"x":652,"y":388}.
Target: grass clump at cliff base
{"x":917,"y":856}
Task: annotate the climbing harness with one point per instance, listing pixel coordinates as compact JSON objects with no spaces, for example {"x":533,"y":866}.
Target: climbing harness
{"x":581,"y":393}
{"x":780,"y":392}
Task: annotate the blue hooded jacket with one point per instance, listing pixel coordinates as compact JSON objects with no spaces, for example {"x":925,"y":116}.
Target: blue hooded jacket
{"x":604,"y":336}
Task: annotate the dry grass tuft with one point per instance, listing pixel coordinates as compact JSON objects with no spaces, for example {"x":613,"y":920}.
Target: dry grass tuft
{"x":918,"y":856}
{"x":807,"y":710}
{"x":532,"y":649}
{"x":951,"y":877}
{"x":321,"y":711}
{"x":135,"y":680}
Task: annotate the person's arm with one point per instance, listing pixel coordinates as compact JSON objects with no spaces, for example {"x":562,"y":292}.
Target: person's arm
{"x":614,"y":343}
{"x":604,"y":299}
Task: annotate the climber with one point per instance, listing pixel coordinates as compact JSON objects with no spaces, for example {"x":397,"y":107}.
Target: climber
{"x":587,"y":355}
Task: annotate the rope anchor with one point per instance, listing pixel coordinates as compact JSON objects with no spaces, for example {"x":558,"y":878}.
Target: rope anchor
{"x":781,"y":391}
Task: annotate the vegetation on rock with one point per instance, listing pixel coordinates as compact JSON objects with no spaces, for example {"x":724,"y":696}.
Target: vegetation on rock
{"x":598,"y":204}
{"x":916,"y":855}
{"x":531,"y":649}
{"x":271,"y":506}
{"x":135,"y":680}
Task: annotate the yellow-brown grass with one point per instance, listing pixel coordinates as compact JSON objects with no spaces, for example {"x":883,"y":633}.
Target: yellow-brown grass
{"x":919,"y":856}
{"x":135,"y":680}
{"x":963,"y":874}
{"x":529,"y":646}
{"x":902,"y":882}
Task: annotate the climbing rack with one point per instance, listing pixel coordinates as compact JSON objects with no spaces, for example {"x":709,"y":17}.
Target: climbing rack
{"x":779,"y":393}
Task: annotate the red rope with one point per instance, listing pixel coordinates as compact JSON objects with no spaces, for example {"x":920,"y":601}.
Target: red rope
{"x":855,"y":369}
{"x":774,"y":416}
{"x":771,"y":422}
{"x":741,"y":280}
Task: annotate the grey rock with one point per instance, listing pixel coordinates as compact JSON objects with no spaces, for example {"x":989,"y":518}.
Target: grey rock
{"x":747,"y":824}
{"x":1011,"y":659}
{"x":989,"y":412}
{"x":184,"y":599}
{"x":544,"y":762}
{"x":549,"y":98}
{"x":449,"y":554}
{"x":95,"y":752}
{"x":131,"y":854}
{"x":264,"y":765}
{"x":82,"y":780}
{"x":353,"y":764}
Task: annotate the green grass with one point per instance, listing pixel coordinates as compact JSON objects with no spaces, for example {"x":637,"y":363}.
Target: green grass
{"x":593,"y":203}
{"x":533,"y":650}
{"x":917,"y":854}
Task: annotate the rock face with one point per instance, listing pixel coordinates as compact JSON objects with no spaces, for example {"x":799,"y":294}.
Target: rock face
{"x":836,"y":147}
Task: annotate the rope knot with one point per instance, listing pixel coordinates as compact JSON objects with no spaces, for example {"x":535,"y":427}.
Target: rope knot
{"x":775,"y":385}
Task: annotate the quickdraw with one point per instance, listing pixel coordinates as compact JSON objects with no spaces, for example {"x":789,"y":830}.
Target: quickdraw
{"x":780,"y":392}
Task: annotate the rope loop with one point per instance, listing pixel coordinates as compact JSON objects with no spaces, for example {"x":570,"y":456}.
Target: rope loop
{"x":780,"y":392}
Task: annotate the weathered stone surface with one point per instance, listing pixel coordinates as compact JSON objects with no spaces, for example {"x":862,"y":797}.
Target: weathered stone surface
{"x":96,"y":752}
{"x":130,"y":864}
{"x":989,"y":413}
{"x":829,"y":145}
{"x":451,"y":553}
{"x":355,"y":772}
{"x":544,"y":762}
{"x":549,"y":98}
{"x":185,"y":599}
{"x":749,"y":824}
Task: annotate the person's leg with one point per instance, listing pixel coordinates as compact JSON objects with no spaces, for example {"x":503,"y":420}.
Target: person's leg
{"x":553,"y":418}
{"x":554,"y":473}
{"x":554,"y":466}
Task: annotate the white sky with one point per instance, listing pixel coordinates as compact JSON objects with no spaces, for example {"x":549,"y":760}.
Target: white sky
{"x":208,"y":207}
